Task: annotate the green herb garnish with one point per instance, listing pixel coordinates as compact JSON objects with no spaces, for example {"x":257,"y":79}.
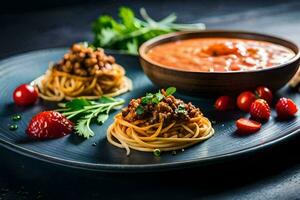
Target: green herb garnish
{"x":83,"y":112}
{"x":140,"y":110}
{"x":157,"y":97}
{"x":181,"y":109}
{"x":13,"y":127}
{"x":157,"y":152}
{"x":129,"y":32}
{"x":153,"y":99}
{"x":147,"y":99}
{"x":170,"y":91}
{"x":16,"y":117}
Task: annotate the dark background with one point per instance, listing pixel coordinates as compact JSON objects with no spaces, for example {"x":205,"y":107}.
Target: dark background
{"x":271,"y":174}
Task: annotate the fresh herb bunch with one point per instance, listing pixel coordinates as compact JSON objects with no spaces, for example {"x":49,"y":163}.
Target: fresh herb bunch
{"x":151,"y":98}
{"x":83,"y":112}
{"x":129,"y":32}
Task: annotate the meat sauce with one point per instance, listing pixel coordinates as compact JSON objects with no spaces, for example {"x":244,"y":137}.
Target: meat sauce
{"x":219,"y":54}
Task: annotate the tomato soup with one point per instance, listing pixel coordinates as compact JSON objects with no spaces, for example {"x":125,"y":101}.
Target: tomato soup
{"x":219,"y":54}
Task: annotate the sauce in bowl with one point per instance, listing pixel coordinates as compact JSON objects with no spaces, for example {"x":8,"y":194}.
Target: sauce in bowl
{"x":219,"y":54}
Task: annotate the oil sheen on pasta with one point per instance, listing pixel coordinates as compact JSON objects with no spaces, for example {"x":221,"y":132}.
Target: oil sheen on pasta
{"x":219,"y":54}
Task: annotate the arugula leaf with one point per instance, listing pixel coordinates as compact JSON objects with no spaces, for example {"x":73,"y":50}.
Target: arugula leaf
{"x":170,"y":91}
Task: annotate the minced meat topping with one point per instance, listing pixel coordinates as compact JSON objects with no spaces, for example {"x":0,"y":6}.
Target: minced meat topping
{"x":86,"y":61}
{"x":153,"y":106}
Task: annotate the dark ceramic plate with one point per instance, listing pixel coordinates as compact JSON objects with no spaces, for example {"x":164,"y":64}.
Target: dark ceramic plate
{"x":73,"y":151}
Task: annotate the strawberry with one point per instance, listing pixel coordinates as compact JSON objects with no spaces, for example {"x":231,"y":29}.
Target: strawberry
{"x":49,"y":124}
{"x":285,"y":108}
{"x":247,"y":126}
{"x":260,"y":110}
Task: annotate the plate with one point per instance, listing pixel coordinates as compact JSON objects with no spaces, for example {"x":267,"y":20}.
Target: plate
{"x":73,"y":151}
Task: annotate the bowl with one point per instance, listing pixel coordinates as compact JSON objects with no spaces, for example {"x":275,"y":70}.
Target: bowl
{"x":216,"y":83}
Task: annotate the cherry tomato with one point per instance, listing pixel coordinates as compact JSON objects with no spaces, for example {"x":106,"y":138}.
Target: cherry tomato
{"x":25,"y":95}
{"x":247,"y":126}
{"x":224,"y":103}
{"x":244,"y":100}
{"x":264,"y":93}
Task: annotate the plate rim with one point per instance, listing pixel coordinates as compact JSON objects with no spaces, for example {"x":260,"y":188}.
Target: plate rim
{"x":121,"y":168}
{"x":133,"y":167}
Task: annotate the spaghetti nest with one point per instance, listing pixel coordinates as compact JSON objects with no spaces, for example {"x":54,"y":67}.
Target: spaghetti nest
{"x":167,"y":125}
{"x":83,"y":72}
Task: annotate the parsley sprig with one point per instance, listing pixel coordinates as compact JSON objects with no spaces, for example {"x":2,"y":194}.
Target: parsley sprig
{"x":129,"y":32}
{"x":83,"y":112}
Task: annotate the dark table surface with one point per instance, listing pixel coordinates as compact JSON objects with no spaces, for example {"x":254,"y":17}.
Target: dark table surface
{"x":270,"y":174}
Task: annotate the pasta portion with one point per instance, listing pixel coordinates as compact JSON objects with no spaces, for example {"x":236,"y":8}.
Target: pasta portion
{"x":167,"y":125}
{"x":83,"y":72}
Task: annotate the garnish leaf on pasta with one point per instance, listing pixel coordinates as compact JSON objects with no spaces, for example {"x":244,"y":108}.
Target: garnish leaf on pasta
{"x":83,"y":112}
{"x":140,"y":110}
{"x":170,"y":91}
{"x":181,"y":109}
{"x":129,"y":32}
{"x":154,"y":99}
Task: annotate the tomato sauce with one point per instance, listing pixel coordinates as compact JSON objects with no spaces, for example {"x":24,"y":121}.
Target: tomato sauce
{"x":219,"y":54}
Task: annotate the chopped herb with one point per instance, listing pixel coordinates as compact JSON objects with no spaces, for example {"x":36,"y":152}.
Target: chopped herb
{"x":140,"y":110}
{"x":157,"y":97}
{"x":170,"y":91}
{"x":157,"y":152}
{"x":181,"y":109}
{"x":83,"y":112}
{"x":13,"y":127}
{"x":147,"y":99}
{"x":129,"y":32}
{"x":16,"y":117}
{"x":155,"y":100}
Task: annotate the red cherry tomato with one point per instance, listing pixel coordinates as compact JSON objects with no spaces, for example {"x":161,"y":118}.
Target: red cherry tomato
{"x":247,"y":126}
{"x":244,"y":100}
{"x":264,"y":93}
{"x":25,"y":95}
{"x":224,"y":103}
